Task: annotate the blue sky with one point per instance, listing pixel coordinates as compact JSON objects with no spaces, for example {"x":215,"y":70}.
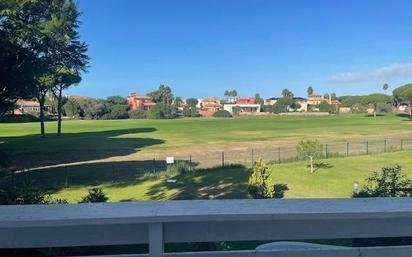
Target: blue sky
{"x":201,"y":48}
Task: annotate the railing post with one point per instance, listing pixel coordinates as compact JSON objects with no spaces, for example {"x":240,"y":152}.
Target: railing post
{"x":156,"y":245}
{"x":367,"y":147}
{"x":326,"y":151}
{"x":278,"y":155}
{"x":223,"y":159}
{"x":384,"y":146}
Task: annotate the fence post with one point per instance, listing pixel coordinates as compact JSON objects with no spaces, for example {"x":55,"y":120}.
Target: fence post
{"x":253,"y":157}
{"x":154,"y":164}
{"x":190,"y":162}
{"x":223,"y":159}
{"x":384,"y":146}
{"x":156,"y":244}
{"x":402,"y":144}
{"x":326,"y":151}
{"x":367,"y":147}
{"x":347,"y":149}
{"x":278,"y":155}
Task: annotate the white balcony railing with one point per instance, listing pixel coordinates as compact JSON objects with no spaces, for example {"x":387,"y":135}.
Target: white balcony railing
{"x":157,"y":223}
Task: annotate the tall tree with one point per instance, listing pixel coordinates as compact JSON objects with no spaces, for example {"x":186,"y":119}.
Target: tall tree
{"x":403,"y":94}
{"x":66,"y":79}
{"x":48,"y":29}
{"x":287,"y":93}
{"x":374,"y":100}
{"x":310,"y":91}
{"x":385,"y":87}
{"x":192,"y":102}
{"x":162,"y":95}
{"x":259,"y":99}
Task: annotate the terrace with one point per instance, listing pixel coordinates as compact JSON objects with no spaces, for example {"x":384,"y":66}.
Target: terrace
{"x":157,"y":223}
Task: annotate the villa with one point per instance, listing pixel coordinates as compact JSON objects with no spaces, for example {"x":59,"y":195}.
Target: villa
{"x":138,"y":102}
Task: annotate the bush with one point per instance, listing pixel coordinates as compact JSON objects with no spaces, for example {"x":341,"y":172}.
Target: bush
{"x":19,"y":118}
{"x":179,"y":167}
{"x":259,"y":184}
{"x":26,"y":194}
{"x":190,"y":111}
{"x":326,"y":107}
{"x":138,"y":114}
{"x":95,"y":195}
{"x":162,"y":111}
{"x":389,"y":182}
{"x":222,"y":114}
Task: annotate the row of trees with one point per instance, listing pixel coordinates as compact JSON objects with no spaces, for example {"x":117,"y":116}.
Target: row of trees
{"x":41,"y":52}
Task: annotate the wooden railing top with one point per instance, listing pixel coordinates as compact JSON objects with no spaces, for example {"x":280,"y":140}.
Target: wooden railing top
{"x":203,"y":210}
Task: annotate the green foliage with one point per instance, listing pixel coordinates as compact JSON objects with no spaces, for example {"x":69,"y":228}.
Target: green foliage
{"x":26,"y":194}
{"x":72,"y":108}
{"x":389,"y":182}
{"x":162,"y":111}
{"x":283,"y":104}
{"x":403,"y":94}
{"x":350,"y":101}
{"x":192,"y":102}
{"x":138,"y":114}
{"x":326,"y":107}
{"x":179,"y":167}
{"x":260,"y":184}
{"x":95,"y":195}
{"x":236,"y":110}
{"x":308,"y":148}
{"x":310,"y":91}
{"x":190,"y":111}
{"x":222,"y":114}
{"x":375,"y":99}
{"x":259,"y":100}
{"x":162,"y":95}
{"x":286,"y":93}
{"x":116,"y":100}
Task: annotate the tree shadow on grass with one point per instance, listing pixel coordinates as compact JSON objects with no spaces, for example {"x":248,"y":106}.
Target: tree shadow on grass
{"x":216,"y":183}
{"x":111,"y":174}
{"x":404,"y":115}
{"x":31,"y":151}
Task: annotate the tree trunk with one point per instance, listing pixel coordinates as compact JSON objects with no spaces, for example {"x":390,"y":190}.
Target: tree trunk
{"x":374,"y":110}
{"x":41,"y":117}
{"x":311,"y":164}
{"x":410,"y":109}
{"x":59,"y":112}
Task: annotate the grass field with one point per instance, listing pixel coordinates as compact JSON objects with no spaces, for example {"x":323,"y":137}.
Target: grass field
{"x":126,"y":140}
{"x":231,"y":182}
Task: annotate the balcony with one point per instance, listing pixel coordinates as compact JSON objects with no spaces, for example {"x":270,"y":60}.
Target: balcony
{"x":157,"y":223}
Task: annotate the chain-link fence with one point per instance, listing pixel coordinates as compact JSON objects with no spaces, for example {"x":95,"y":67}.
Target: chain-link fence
{"x":277,"y":155}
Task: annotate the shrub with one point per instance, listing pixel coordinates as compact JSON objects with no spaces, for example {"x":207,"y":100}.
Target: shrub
{"x":259,"y":184}
{"x":138,"y":114}
{"x":326,"y":107}
{"x":179,"y":167}
{"x":388,"y":182}
{"x":95,"y":195}
{"x":26,"y":194}
{"x":311,"y":149}
{"x":222,"y":114}
{"x":19,"y":118}
{"x":190,"y":111}
{"x":162,"y":111}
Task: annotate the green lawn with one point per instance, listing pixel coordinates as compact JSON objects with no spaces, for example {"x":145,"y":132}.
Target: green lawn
{"x":87,"y":140}
{"x":231,"y":182}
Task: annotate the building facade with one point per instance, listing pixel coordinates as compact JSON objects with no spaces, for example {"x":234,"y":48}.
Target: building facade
{"x":139,"y":102}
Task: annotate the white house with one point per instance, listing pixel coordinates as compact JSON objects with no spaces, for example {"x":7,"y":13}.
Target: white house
{"x":243,"y":108}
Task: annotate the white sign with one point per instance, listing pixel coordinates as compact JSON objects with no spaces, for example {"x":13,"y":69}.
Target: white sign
{"x":170,"y":160}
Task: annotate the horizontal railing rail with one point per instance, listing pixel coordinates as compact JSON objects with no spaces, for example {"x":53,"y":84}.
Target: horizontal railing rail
{"x":157,"y":223}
